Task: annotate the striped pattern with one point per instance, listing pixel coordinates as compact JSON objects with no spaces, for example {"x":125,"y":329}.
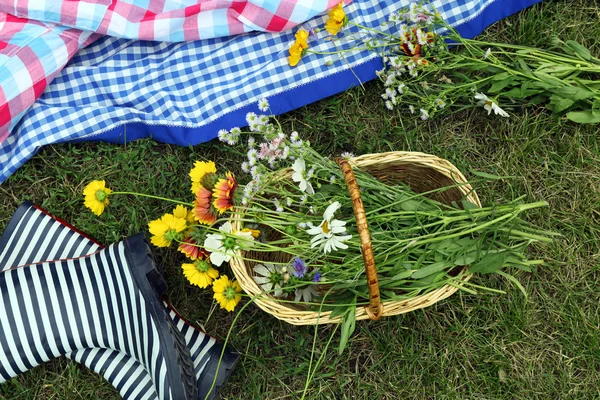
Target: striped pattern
{"x":55,"y":308}
{"x":26,"y":240}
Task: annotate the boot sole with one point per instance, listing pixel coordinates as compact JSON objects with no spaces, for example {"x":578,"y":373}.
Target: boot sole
{"x":152,"y":285}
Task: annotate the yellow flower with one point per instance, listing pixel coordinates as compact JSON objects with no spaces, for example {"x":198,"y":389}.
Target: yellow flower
{"x":255,"y":232}
{"x":200,"y":273}
{"x":182,"y":212}
{"x":96,"y":196}
{"x":298,"y":48}
{"x":227,"y":292}
{"x":301,"y":38}
{"x":166,"y":229}
{"x":337,"y":19}
{"x":201,"y":168}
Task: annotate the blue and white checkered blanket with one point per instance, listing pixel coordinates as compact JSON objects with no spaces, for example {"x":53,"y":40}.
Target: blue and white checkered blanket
{"x":183,"y":93}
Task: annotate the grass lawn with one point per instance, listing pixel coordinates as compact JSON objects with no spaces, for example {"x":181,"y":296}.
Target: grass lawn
{"x":487,"y":346}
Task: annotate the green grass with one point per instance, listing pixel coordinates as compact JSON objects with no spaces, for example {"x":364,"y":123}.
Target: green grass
{"x":489,"y":346}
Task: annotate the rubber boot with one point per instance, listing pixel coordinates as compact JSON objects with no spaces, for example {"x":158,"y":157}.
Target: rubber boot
{"x":27,"y":240}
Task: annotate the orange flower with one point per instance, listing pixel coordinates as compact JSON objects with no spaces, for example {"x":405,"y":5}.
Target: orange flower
{"x":203,"y":211}
{"x":223,"y":193}
{"x":191,"y":249}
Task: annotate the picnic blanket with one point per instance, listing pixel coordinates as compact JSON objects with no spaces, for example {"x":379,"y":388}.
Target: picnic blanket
{"x":188,"y":77}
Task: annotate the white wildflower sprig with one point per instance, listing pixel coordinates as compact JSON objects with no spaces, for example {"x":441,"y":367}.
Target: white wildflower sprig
{"x":490,"y":105}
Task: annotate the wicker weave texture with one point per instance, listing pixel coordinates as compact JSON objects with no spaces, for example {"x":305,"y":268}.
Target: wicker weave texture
{"x":423,"y":173}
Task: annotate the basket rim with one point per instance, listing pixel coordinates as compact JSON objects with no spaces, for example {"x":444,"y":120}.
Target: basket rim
{"x":284,"y":312}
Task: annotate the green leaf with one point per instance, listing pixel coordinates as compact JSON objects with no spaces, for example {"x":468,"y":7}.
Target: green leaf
{"x":467,"y":258}
{"x":502,"y":76}
{"x":574,"y":92}
{"x":516,"y":93}
{"x":488,"y":176}
{"x":492,"y":262}
{"x":348,"y":326}
{"x":539,"y":99}
{"x":513,"y":280}
{"x":549,"y":79}
{"x":584,"y":117}
{"x":430,"y":269}
{"x":524,"y":66}
{"x":579,"y":49}
{"x":468,"y":205}
{"x":559,"y":104}
{"x":499,"y":85}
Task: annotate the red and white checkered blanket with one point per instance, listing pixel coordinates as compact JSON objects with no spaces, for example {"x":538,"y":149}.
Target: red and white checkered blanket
{"x":38,"y":37}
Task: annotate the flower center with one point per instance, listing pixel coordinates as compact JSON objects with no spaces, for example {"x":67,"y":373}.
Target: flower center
{"x":229,"y":243}
{"x":229,"y":293}
{"x":275,"y":278}
{"x":202,"y":266}
{"x":100,"y":195}
{"x":489,"y":103}
{"x":325,"y":227}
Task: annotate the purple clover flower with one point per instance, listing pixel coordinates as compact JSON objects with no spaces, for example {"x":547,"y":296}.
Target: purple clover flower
{"x":299,"y":267}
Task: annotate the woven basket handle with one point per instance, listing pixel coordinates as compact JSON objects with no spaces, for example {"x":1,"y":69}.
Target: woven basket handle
{"x":375,"y":308}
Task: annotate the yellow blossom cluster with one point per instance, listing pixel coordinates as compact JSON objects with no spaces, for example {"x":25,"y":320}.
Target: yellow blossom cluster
{"x":299,"y":47}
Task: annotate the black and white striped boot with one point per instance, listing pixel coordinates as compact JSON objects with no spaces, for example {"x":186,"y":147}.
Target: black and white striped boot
{"x":33,"y":235}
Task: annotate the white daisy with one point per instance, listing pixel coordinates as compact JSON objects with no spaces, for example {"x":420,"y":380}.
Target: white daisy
{"x":223,"y":246}
{"x":411,"y":108}
{"x":389,"y":105}
{"x":421,"y":37}
{"x":347,"y":155}
{"x":223,"y":133}
{"x":328,"y":235}
{"x":490,"y":105}
{"x":251,"y":118}
{"x":301,"y":176}
{"x":269,"y":278}
{"x":305,"y":294}
{"x":400,"y":88}
{"x":263,"y":105}
{"x":424,"y":115}
{"x":246,"y":167}
{"x":440,"y":103}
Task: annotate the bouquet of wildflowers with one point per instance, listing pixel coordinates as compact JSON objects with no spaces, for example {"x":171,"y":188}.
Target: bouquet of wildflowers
{"x":429,"y":69}
{"x":293,"y":221}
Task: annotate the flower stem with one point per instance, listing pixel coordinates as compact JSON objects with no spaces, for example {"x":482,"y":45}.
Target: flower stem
{"x":156,"y":197}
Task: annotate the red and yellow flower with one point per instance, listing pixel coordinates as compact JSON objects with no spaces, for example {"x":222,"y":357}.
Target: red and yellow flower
{"x":191,"y":248}
{"x":203,"y":211}
{"x":223,"y":193}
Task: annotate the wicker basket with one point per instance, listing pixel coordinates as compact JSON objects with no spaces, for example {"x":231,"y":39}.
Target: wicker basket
{"x":422,"y":172}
